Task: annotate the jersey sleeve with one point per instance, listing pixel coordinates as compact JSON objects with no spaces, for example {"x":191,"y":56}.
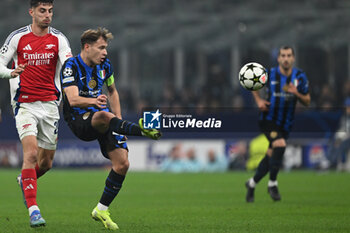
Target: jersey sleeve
{"x":303,"y":84}
{"x":65,"y":51}
{"x":69,"y":74}
{"x":7,"y":52}
{"x":109,"y":74}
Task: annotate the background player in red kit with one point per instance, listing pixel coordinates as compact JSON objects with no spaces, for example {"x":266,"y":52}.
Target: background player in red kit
{"x":38,"y":52}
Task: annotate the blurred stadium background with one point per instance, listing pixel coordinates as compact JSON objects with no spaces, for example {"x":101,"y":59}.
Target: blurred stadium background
{"x":187,"y":54}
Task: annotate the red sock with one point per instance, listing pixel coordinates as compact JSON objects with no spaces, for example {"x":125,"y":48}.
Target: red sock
{"x":38,"y":171}
{"x":29,"y":186}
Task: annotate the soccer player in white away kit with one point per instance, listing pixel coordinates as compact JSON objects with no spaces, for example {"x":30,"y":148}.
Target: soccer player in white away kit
{"x":38,"y":51}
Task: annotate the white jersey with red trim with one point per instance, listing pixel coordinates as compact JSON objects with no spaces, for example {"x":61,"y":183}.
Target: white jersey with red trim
{"x":44,"y":56}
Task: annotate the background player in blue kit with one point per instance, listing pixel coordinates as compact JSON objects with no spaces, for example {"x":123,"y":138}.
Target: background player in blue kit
{"x":86,"y":112}
{"x":286,"y":85}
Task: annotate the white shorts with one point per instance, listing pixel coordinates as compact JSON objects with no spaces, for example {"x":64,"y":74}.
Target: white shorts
{"x":39,"y":119}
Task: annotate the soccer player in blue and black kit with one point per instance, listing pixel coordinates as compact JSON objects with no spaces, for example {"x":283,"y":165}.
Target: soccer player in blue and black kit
{"x":86,"y":112}
{"x":285,"y":87}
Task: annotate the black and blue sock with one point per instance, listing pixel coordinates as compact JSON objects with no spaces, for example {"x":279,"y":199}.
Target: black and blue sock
{"x":276,"y":162}
{"x":114,"y":183}
{"x":262,"y":169}
{"x":124,"y":127}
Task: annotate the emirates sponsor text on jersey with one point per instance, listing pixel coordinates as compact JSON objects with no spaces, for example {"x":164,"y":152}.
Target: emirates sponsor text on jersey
{"x":35,"y":59}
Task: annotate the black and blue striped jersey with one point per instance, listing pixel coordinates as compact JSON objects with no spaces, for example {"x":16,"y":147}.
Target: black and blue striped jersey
{"x":282,"y":103}
{"x":89,"y":81}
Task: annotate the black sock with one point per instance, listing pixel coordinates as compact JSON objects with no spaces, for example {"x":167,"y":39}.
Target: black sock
{"x":124,"y":127}
{"x":276,"y":161}
{"x":262,"y":169}
{"x":114,"y":183}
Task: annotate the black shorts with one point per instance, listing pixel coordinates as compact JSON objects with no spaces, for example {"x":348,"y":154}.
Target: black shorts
{"x":80,"y":124}
{"x":272,"y":131}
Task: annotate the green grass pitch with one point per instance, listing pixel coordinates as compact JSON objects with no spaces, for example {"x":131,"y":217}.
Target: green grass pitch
{"x":162,"y":202}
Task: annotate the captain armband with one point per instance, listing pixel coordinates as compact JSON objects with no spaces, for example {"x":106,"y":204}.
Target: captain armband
{"x":110,"y":80}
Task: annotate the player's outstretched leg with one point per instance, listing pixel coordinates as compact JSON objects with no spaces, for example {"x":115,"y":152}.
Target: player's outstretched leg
{"x":124,"y":127}
{"x":151,"y":133}
{"x":104,"y":217}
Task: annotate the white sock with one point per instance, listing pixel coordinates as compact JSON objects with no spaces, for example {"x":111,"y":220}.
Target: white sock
{"x":32,"y":209}
{"x":272,"y":183}
{"x":251,"y":183}
{"x":102,"y":207}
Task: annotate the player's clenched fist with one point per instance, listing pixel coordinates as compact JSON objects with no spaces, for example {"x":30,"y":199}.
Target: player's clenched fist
{"x":101,"y":101}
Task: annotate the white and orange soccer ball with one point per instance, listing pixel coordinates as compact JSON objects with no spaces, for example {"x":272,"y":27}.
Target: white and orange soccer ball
{"x":253,"y":76}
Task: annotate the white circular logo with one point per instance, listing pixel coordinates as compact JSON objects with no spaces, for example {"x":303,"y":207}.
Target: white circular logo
{"x":4,"y":49}
{"x":67,"y":72}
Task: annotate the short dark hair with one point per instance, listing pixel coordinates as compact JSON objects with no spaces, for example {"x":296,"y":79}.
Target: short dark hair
{"x":284,"y":47}
{"x":35,"y":3}
{"x":92,"y":35}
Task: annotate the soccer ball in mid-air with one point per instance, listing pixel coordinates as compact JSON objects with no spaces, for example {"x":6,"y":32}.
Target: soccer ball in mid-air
{"x":253,"y":76}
